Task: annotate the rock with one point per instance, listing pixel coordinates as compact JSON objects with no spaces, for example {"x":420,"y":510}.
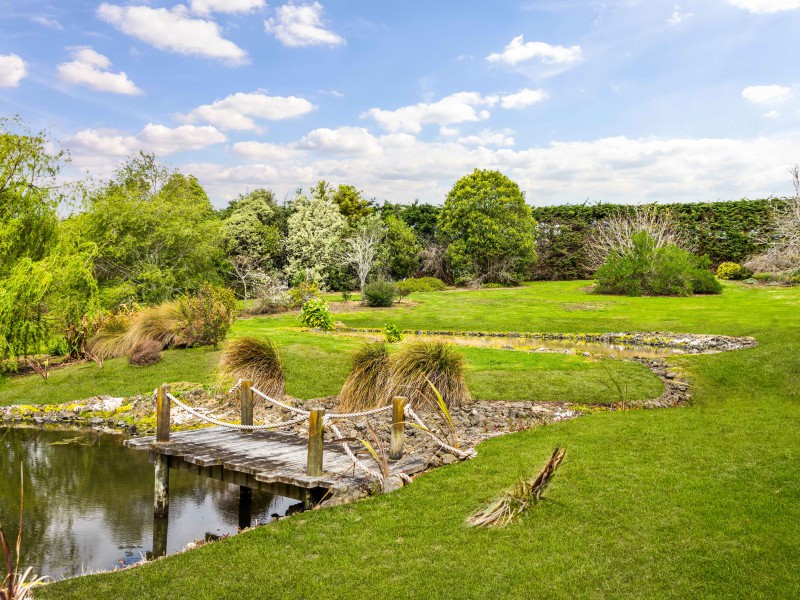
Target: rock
{"x":670,"y":376}
{"x":449,"y":459}
{"x":97,"y":421}
{"x":390,"y":484}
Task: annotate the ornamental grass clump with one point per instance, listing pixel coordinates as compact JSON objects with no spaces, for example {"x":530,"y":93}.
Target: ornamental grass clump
{"x":145,"y":353}
{"x":366,"y":386}
{"x":254,"y":359}
{"x":420,"y":365}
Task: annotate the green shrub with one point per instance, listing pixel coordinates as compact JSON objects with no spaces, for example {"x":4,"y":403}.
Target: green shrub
{"x":733,"y":271}
{"x":207,"y":316}
{"x":256,"y":360}
{"x":346,"y":295}
{"x":366,"y":386}
{"x":315,"y":313}
{"x":420,"y":284}
{"x":393,"y":333}
{"x":380,"y":292}
{"x":303,"y":292}
{"x":644,"y":269}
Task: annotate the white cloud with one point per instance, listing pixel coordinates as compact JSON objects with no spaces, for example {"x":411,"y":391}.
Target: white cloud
{"x":773,"y":114}
{"x":344,"y":140}
{"x":47,"y":22}
{"x":523,"y":98}
{"x":766,"y":94}
{"x":766,"y":6}
{"x":301,"y":25}
{"x":172,"y":30}
{"x":91,"y":69}
{"x":204,"y":7}
{"x":677,"y":17}
{"x":265,"y":151}
{"x":96,"y":143}
{"x":12,"y":70}
{"x":460,"y":107}
{"x":240,"y":111}
{"x":487,"y":137}
{"x":448,"y":131}
{"x":519,"y":51}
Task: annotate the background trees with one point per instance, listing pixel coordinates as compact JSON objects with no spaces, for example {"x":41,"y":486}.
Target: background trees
{"x":488,"y":229}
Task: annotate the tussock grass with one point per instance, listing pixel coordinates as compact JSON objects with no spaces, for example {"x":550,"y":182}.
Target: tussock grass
{"x":420,"y":365}
{"x":121,"y":333}
{"x":110,"y":340}
{"x":366,"y":386}
{"x":256,"y":359}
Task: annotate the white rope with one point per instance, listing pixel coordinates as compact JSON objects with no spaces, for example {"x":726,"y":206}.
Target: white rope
{"x":356,"y":461}
{"x":235,"y":387}
{"x":354,"y":415}
{"x":214,"y":421}
{"x":471,"y":453}
{"x":288,"y":407}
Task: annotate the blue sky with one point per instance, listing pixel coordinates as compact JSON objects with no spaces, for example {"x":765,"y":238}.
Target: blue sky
{"x":615,"y":101}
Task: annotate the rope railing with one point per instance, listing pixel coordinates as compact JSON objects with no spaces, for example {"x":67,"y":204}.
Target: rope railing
{"x":220,"y":423}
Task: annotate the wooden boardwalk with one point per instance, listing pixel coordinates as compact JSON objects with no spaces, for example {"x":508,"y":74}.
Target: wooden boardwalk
{"x":274,"y":461}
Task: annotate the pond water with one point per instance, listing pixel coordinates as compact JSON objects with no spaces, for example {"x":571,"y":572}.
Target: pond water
{"x":88,"y":502}
{"x":529,"y":344}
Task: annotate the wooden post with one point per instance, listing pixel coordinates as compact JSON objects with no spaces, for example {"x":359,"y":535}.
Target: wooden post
{"x":161,"y":497}
{"x":315,"y":437}
{"x":245,"y":507}
{"x":162,"y":414}
{"x":246,"y":396}
{"x":398,"y":427}
{"x":160,"y":527}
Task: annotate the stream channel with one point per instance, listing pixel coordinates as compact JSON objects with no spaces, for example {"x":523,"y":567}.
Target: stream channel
{"x":88,"y":503}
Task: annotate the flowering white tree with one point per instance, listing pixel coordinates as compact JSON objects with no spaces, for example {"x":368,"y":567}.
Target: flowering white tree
{"x":361,"y":250}
{"x":315,"y":233}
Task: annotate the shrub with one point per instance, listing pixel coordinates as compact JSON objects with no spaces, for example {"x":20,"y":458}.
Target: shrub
{"x":271,"y":297}
{"x":110,"y":340}
{"x":644,"y":268}
{"x":366,"y":386}
{"x":346,"y":295}
{"x":420,"y":284}
{"x":206,"y":317}
{"x":146,"y":352}
{"x":380,"y":292}
{"x":393,"y":333}
{"x":255,"y":359}
{"x":303,"y":292}
{"x":315,"y":313}
{"x":161,"y":323}
{"x":439,"y":363}
{"x":733,"y":271}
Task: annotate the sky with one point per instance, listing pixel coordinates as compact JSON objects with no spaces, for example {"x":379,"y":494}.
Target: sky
{"x":576,"y":100}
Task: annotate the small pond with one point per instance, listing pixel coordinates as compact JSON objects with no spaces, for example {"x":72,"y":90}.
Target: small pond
{"x":89,"y":502}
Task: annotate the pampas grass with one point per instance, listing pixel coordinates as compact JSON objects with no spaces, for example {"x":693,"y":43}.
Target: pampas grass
{"x":420,"y":365}
{"x":366,"y":385}
{"x":255,"y":359}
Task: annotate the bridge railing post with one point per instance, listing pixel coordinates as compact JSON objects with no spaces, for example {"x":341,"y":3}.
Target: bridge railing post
{"x":315,"y":438}
{"x":246,"y":397}
{"x":162,"y":414}
{"x":398,"y":427}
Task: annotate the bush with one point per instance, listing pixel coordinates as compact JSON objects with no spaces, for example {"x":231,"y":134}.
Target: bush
{"x":366,"y":386}
{"x":303,"y":292}
{"x":733,"y":271}
{"x":393,"y":333}
{"x":644,"y":268}
{"x":420,"y":284}
{"x":206,"y":317}
{"x":256,"y":360}
{"x":146,"y":352}
{"x":439,"y":363}
{"x":381,"y":292}
{"x":315,"y":313}
{"x":346,"y":295}
{"x":271,"y":297}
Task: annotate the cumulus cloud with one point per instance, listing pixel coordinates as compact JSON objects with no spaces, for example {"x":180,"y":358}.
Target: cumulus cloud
{"x":12,"y":70}
{"x":240,"y":111}
{"x":46,"y":21}
{"x":204,"y":7}
{"x":677,"y":17}
{"x":265,"y":151}
{"x":766,"y":6}
{"x":301,"y":25}
{"x":519,"y":51}
{"x":344,"y":140}
{"x":523,"y":98}
{"x":487,"y":137}
{"x":766,"y":94}
{"x":173,"y":30}
{"x":154,"y":137}
{"x":460,"y":107}
{"x":91,"y":69}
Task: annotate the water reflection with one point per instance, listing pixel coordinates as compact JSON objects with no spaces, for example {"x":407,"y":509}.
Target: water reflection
{"x":89,"y":502}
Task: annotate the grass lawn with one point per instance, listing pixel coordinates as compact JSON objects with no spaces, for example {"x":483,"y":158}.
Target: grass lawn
{"x":700,"y":501}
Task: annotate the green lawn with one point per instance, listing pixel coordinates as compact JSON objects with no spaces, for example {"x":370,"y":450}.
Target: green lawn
{"x":701,"y":501}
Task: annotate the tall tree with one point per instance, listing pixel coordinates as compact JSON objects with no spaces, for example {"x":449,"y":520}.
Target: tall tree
{"x":352,"y":204}
{"x":362,"y":249}
{"x":402,"y":248}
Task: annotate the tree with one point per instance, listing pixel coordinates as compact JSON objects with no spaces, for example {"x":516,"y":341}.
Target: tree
{"x":351,"y":204}
{"x":488,"y":228}
{"x":402,"y":248}
{"x":252,"y":227}
{"x":156,"y":233}
{"x":362,"y":249}
{"x":315,"y":232}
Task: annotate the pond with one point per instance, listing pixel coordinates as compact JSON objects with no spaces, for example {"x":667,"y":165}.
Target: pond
{"x":88,"y":502}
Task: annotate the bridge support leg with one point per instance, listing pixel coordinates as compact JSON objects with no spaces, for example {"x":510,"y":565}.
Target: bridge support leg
{"x":398,"y":428}
{"x":160,"y":526}
{"x":161,"y":496}
{"x":315,"y":437}
{"x":245,"y":506}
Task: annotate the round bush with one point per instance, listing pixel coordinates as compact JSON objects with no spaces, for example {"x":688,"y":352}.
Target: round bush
{"x":733,"y":271}
{"x":420,"y":284}
{"x":380,"y":293}
{"x":144,"y":353}
{"x":315,"y":313}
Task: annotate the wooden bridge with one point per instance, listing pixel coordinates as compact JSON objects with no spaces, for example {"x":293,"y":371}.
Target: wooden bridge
{"x":258,"y":457}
